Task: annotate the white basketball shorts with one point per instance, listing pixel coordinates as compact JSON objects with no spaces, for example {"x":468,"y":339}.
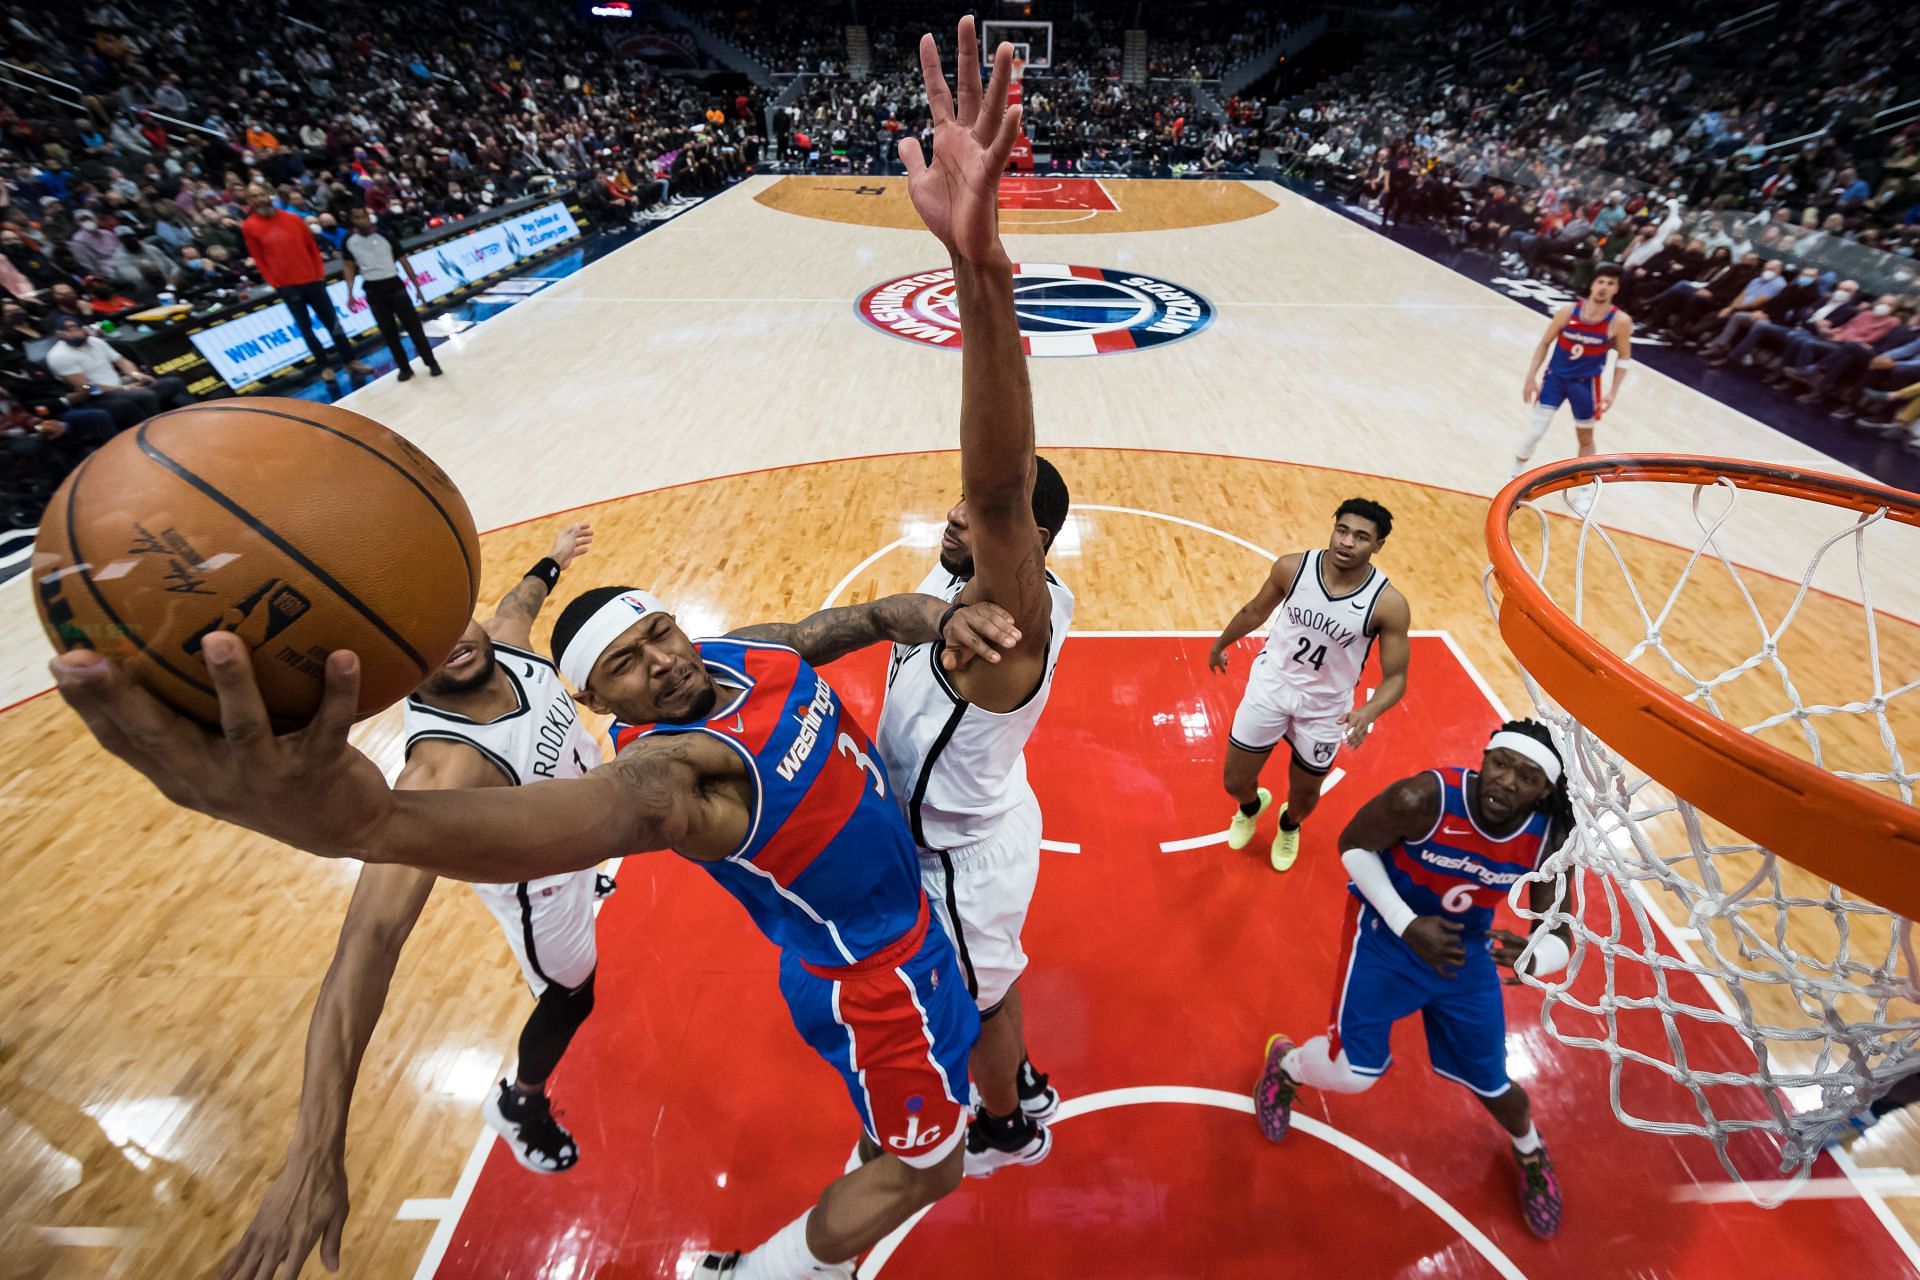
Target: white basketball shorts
{"x":1270,"y":711}
{"x":549,"y":925}
{"x":981,"y":894}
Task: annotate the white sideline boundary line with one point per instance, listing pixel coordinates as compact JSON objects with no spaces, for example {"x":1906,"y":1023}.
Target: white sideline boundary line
{"x":447,"y":1212}
{"x":1164,"y":1095}
{"x":1863,"y":1184}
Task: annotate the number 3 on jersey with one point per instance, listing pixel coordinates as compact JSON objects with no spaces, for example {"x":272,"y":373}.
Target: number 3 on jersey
{"x":848,"y":747}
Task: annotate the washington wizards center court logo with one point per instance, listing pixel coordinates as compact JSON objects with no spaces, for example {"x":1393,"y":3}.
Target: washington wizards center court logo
{"x":1063,"y":310}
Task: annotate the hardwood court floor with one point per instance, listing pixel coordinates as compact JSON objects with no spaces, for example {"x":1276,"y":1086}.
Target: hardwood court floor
{"x":155,"y":983}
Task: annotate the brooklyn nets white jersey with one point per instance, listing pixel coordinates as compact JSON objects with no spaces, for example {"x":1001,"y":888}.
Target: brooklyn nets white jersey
{"x":958,"y":769}
{"x":540,"y":740}
{"x":1317,"y":643}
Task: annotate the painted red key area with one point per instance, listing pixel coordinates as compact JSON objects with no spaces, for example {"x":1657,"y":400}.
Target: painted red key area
{"x":703,"y":1120}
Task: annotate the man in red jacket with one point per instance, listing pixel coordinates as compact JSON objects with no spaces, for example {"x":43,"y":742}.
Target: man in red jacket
{"x":289,"y":259}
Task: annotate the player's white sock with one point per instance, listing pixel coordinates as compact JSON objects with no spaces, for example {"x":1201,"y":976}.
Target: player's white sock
{"x":1529,"y":1142}
{"x":1310,"y":1064}
{"x":785,"y":1256}
{"x":1536,"y":431}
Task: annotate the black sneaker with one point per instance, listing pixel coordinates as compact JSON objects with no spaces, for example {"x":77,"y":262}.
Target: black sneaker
{"x":434,"y":370}
{"x":993,"y":1144}
{"x":533,"y":1136}
{"x":1038,"y":1099}
{"x":406,"y":375}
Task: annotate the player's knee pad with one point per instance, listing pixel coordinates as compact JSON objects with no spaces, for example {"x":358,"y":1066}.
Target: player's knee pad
{"x":1537,"y":425}
{"x":1311,"y":1064}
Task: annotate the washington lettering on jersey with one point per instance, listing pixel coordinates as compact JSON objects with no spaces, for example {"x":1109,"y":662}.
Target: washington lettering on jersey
{"x":1580,"y":349}
{"x":1456,"y":869}
{"x":810,"y":721}
{"x":827,"y":868}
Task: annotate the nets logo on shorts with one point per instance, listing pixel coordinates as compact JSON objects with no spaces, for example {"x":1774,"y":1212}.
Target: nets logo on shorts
{"x":1063,"y":310}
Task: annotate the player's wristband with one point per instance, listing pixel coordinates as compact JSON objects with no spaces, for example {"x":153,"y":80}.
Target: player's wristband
{"x":547,"y":569}
{"x":940,"y":632}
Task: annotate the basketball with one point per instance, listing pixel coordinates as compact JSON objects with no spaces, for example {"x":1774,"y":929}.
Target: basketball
{"x":301,"y":527}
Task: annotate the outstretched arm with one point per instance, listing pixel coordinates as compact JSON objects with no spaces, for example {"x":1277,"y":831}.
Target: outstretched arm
{"x":512,"y":620}
{"x":1272,"y":591}
{"x":307,"y":1203}
{"x":957,"y":196}
{"x":312,"y":790}
{"x":975,"y":631}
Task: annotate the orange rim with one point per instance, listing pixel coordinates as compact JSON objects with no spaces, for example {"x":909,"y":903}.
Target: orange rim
{"x":1863,"y":841}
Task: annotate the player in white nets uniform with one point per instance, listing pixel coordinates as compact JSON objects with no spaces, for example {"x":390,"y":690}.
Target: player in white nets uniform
{"x":1332,"y":606}
{"x":952,"y":741}
{"x":495,"y":714}
{"x":960,"y":771}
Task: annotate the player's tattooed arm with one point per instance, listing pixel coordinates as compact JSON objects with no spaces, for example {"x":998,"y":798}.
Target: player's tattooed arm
{"x":975,"y":631}
{"x":1272,"y":591}
{"x":512,"y":620}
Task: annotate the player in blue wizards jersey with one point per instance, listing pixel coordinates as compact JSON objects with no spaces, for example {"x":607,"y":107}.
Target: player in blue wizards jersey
{"x":1579,"y":338}
{"x":1429,"y":858}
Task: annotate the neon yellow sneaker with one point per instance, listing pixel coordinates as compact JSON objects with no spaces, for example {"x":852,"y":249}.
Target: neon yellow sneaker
{"x":1286,"y":846}
{"x":1240,"y":830}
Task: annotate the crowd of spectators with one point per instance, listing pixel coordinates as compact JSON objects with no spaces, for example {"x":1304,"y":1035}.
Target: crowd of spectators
{"x":127,"y":185}
{"x":1759,"y":186}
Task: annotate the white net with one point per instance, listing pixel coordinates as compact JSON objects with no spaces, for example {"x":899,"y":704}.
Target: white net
{"x":1737,"y":997}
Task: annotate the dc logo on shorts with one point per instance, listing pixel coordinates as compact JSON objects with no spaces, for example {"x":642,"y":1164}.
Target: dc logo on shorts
{"x":1063,"y":310}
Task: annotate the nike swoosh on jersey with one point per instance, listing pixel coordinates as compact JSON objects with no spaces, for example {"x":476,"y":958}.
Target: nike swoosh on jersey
{"x":739,"y":724}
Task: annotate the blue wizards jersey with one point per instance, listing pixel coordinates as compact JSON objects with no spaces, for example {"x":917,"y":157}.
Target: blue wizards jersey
{"x":1457,"y":870}
{"x":1580,"y":349}
{"x":828,"y":869}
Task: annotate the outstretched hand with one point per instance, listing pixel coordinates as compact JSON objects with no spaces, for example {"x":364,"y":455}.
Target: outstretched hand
{"x":308,"y":788}
{"x":571,"y":543}
{"x":958,"y":194}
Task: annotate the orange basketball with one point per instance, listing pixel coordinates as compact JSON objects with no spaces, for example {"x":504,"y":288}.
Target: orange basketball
{"x":301,"y":527}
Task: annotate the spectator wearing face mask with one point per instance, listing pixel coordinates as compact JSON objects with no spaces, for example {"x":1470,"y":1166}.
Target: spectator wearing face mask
{"x":1822,"y":322}
{"x":110,"y":380}
{"x":1893,"y":362}
{"x":1813,"y":360}
{"x":1715,"y":286}
{"x":1801,"y":295}
{"x":1753,"y":295}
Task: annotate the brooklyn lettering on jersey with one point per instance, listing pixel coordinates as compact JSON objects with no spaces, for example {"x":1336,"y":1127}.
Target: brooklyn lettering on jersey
{"x":551,"y":742}
{"x":1315,"y":620}
{"x":810,"y":722}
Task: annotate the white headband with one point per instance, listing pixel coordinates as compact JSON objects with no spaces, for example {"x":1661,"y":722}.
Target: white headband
{"x":1532,"y":748}
{"x":606,"y":625}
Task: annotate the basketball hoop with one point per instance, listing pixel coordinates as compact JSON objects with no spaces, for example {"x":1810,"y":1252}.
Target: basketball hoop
{"x":1677,"y":787}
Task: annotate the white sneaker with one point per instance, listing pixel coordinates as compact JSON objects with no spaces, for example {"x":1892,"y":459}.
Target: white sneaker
{"x":1029,"y":1144}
